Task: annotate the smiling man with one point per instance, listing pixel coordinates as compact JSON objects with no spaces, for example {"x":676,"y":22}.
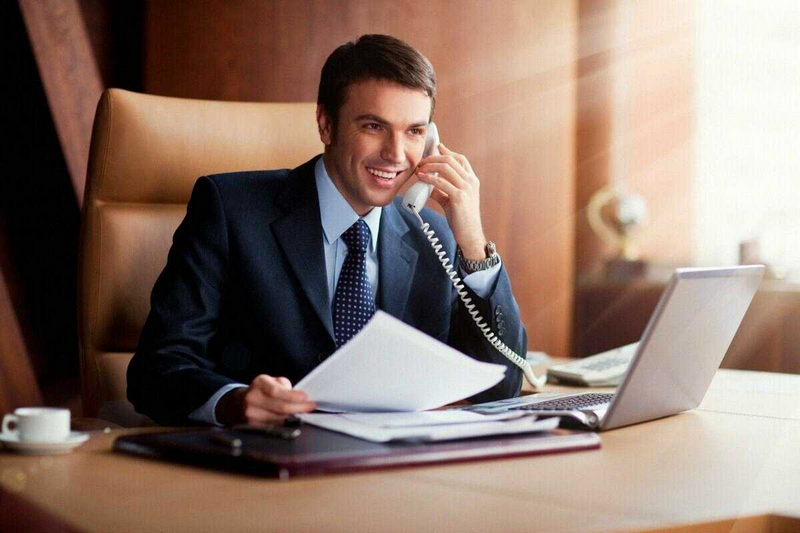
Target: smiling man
{"x":266,"y":266}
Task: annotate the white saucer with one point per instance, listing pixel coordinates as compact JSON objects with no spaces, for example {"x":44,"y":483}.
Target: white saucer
{"x":12,"y":442}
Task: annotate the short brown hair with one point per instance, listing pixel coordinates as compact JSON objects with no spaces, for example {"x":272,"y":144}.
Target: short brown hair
{"x":378,"y":57}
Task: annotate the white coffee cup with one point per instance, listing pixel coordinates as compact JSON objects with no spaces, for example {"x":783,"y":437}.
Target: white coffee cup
{"x":38,"y":424}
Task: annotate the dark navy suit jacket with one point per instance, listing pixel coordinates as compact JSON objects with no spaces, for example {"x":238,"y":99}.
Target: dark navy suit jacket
{"x":244,"y":293}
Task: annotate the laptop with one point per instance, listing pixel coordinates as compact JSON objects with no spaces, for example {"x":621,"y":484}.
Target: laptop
{"x":676,"y":359}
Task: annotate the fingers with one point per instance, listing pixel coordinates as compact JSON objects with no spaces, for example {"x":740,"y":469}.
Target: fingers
{"x":444,"y":170}
{"x":458,"y":161}
{"x":279,"y":388}
{"x":453,"y":167}
{"x":457,"y":189}
{"x":439,"y":197}
{"x":436,"y":163}
{"x":459,"y":157}
{"x":271,"y":408}
{"x":271,"y":399}
{"x":440,"y":184}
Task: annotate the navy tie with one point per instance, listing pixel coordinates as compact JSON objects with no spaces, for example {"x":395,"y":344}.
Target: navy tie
{"x":353,"y":305}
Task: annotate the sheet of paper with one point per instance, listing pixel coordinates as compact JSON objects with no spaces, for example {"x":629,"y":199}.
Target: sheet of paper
{"x":426,"y":418}
{"x":390,"y":366}
{"x":436,"y":432}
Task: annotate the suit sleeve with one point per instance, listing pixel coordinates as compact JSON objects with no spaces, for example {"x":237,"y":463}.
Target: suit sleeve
{"x":500,"y":312}
{"x":171,"y":373}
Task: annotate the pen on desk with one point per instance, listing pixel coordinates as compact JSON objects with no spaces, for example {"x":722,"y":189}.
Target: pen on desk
{"x":227,"y":440}
{"x":292,"y":422}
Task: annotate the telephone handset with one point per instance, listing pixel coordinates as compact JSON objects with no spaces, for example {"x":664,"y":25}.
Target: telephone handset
{"x":416,"y":195}
{"x":413,"y":201}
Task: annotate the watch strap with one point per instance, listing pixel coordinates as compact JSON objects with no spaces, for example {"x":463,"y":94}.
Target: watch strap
{"x":471,"y":265}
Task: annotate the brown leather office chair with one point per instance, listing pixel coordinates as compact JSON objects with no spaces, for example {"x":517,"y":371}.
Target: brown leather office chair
{"x":146,"y":153}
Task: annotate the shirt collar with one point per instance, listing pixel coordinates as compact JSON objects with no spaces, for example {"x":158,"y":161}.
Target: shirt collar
{"x":336,"y":214}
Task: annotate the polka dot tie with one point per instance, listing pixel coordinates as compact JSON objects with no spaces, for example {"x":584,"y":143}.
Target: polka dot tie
{"x":353,"y":305}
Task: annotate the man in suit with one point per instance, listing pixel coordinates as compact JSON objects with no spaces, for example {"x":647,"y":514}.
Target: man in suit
{"x":266,"y":264}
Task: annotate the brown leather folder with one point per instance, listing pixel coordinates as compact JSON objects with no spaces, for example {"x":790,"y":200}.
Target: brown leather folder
{"x":318,"y":451}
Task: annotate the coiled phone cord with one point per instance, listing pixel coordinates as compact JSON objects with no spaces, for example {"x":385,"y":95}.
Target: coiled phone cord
{"x":536,"y":382}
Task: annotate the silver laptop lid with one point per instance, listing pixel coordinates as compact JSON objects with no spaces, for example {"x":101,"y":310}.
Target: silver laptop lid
{"x":684,"y":343}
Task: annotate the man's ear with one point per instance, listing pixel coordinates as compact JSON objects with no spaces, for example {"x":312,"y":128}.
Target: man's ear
{"x":325,"y":125}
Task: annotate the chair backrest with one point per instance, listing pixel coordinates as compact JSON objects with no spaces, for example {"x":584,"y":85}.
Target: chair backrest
{"x":146,"y":154}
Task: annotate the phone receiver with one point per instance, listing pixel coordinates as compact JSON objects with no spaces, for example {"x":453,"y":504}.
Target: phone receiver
{"x":416,"y":195}
{"x":413,"y":201}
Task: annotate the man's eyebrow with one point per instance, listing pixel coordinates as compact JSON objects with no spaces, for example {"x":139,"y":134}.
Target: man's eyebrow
{"x":374,"y":118}
{"x":379,"y":120}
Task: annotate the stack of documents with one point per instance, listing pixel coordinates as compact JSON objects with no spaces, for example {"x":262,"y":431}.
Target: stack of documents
{"x":428,"y":426}
{"x":390,"y":366}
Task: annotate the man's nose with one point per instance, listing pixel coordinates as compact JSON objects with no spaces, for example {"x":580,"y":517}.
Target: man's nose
{"x":394,"y":149}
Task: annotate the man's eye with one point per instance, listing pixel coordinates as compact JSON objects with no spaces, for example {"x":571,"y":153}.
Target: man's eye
{"x":417,"y":131}
{"x":373,"y":126}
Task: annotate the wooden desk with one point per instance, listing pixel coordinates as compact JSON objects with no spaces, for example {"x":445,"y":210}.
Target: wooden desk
{"x":735,"y":456}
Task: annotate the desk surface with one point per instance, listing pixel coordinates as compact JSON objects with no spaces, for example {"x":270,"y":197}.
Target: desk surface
{"x":734,"y":456}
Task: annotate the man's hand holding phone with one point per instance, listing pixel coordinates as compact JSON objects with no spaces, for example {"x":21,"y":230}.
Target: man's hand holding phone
{"x":457,"y":189}
{"x":267,"y":400}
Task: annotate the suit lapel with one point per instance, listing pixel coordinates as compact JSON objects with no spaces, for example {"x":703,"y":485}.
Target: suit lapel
{"x":299,"y":234}
{"x":397,"y":262}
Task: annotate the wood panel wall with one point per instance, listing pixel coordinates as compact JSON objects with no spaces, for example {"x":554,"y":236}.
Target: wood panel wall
{"x":18,"y":385}
{"x":38,"y":224}
{"x":506,"y":99}
{"x":69,"y":75}
{"x":595,"y":87}
{"x":635,"y":126}
{"x":660,"y":150}
{"x":635,"y":121}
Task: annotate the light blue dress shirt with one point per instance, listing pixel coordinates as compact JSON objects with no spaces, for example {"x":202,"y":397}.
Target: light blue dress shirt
{"x":336,"y":216}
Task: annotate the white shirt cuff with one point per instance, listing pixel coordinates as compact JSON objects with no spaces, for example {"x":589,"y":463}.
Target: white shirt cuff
{"x":207,"y":412}
{"x":482,"y":281}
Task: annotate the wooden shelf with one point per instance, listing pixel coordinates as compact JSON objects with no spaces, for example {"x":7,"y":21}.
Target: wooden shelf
{"x":613,"y":312}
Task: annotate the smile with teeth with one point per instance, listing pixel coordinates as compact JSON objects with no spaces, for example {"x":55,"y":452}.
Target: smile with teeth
{"x":382,"y":174}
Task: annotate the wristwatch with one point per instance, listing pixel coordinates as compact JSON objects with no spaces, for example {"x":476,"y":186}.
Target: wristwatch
{"x":470,"y":265}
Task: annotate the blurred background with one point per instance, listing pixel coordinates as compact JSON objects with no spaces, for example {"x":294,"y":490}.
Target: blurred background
{"x":615,"y":140}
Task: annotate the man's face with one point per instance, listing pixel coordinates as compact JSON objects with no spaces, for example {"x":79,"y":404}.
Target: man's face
{"x":378,"y":141}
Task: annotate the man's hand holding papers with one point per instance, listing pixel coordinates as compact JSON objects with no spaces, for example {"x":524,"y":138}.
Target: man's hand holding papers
{"x":385,"y":379}
{"x":391,"y":366}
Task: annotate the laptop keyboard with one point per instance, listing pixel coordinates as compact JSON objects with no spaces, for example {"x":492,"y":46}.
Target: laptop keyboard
{"x":581,"y":401}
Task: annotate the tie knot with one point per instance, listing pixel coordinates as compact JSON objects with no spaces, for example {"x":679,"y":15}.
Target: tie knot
{"x":357,"y":237}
